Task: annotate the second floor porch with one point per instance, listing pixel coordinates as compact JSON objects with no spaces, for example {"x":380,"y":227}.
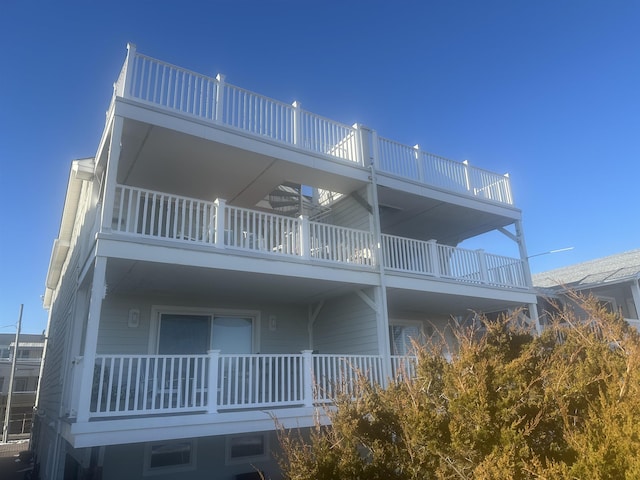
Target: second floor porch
{"x":186,"y":222}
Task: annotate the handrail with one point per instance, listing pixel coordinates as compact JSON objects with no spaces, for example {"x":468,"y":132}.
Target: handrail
{"x":214,"y":100}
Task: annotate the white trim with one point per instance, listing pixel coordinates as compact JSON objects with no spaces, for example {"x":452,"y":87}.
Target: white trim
{"x":229,"y":460}
{"x":147,"y":470}
{"x":157,"y":310}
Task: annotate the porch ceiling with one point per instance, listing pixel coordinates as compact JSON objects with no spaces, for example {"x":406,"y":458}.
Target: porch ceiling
{"x":167,"y":160}
{"x":413,"y":216}
{"x":148,"y":278}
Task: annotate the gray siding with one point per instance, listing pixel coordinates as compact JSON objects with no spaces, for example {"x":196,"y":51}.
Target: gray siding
{"x":346,"y":325}
{"x":348,"y":212}
{"x":115,"y":336}
{"x":127,"y":461}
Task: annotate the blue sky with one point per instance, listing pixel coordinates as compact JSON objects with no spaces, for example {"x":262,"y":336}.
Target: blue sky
{"x":547,"y":91}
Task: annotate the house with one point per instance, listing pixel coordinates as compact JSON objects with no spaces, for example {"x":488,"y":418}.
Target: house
{"x":614,"y":281}
{"x":226,"y":258}
{"x":25,"y":380}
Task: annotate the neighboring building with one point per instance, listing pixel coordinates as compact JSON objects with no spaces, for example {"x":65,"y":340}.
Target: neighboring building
{"x":614,"y":281}
{"x":25,"y":381}
{"x":227,"y":258}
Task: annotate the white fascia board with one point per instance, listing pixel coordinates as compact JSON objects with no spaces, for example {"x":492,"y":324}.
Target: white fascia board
{"x":230,"y":259}
{"x":452,"y":287}
{"x":161,"y":427}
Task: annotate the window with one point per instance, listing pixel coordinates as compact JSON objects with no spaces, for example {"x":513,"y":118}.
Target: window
{"x":170,"y":457}
{"x":20,"y":384}
{"x":247,"y":448}
{"x":197,"y":330}
{"x":402,"y":335}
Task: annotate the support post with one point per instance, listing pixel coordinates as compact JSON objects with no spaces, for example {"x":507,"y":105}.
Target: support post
{"x":419,"y":166}
{"x":482,"y":263}
{"x":110,"y":181}
{"x":466,"y":176}
{"x":220,"y":78}
{"x":434,"y":257}
{"x":297,"y":123}
{"x":129,"y":70}
{"x":635,"y":293}
{"x":304,"y":234}
{"x":98,"y":292}
{"x":221,"y":206}
{"x":307,"y":377}
{"x":212,"y":397}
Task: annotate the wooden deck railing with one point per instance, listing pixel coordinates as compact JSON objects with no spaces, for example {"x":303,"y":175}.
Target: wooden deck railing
{"x":149,"y":80}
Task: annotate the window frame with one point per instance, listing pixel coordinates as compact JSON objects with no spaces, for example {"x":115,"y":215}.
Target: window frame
{"x":158,"y":310}
{"x":186,"y":467}
{"x":231,"y":460}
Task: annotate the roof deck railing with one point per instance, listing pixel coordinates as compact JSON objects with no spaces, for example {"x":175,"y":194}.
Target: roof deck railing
{"x":146,"y":79}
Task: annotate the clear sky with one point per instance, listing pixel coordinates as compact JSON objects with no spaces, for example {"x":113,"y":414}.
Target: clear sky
{"x":547,"y":90}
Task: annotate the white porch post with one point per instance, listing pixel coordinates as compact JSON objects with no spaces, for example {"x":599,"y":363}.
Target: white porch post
{"x":219,"y":98}
{"x":128,"y":76}
{"x":419,"y":166}
{"x":98,"y":291}
{"x":434,"y":257}
{"x":482,"y":262}
{"x":307,"y":378}
{"x":110,"y":179}
{"x":297,"y":123}
{"x":221,"y":206}
{"x":304,"y":234}
{"x":212,"y":397}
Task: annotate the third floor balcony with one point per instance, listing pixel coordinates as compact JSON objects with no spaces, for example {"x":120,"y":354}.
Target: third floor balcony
{"x":214,"y":102}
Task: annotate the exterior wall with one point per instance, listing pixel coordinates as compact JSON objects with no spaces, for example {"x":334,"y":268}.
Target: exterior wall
{"x":346,"y":324}
{"x":348,"y":212}
{"x":127,"y":461}
{"x":282,"y":328}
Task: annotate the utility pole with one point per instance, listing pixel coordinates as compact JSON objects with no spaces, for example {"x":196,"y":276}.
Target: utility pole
{"x":5,"y":426}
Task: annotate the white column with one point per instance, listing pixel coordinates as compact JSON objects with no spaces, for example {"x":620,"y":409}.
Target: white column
{"x":297,"y":123}
{"x":304,"y":234}
{"x":466,"y":176}
{"x":307,"y":377}
{"x":212,"y":397}
{"x":98,"y":291}
{"x":434,"y":257}
{"x":128,"y":76}
{"x":482,"y":262}
{"x":419,"y":166}
{"x":220,"y":98}
{"x":110,"y":180}
{"x":221,"y":206}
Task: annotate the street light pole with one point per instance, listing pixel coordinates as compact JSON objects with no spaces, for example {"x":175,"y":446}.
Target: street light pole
{"x":5,"y":426}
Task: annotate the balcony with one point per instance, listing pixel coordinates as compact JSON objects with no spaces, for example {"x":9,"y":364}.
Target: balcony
{"x":215,"y":102}
{"x":185,"y":221}
{"x":143,"y":385}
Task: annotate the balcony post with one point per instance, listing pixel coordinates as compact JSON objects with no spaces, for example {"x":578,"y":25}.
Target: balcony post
{"x":304,"y":234}
{"x":434,"y":257}
{"x":307,"y":378}
{"x":128,"y":75}
{"x":297,"y":123}
{"x":218,"y":234}
{"x":419,"y":166}
{"x":219,"y":98}
{"x":466,"y":176}
{"x":98,"y":292}
{"x":212,"y":397}
{"x":507,"y":190}
{"x":482,"y":263}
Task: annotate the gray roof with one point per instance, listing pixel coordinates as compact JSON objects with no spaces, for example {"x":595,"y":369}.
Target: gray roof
{"x":612,"y":269}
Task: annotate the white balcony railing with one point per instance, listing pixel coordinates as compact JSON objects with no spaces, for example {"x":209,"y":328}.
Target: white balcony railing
{"x":148,"y":213}
{"x":469,"y":266}
{"x":213,"y":100}
{"x":132,"y":385}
